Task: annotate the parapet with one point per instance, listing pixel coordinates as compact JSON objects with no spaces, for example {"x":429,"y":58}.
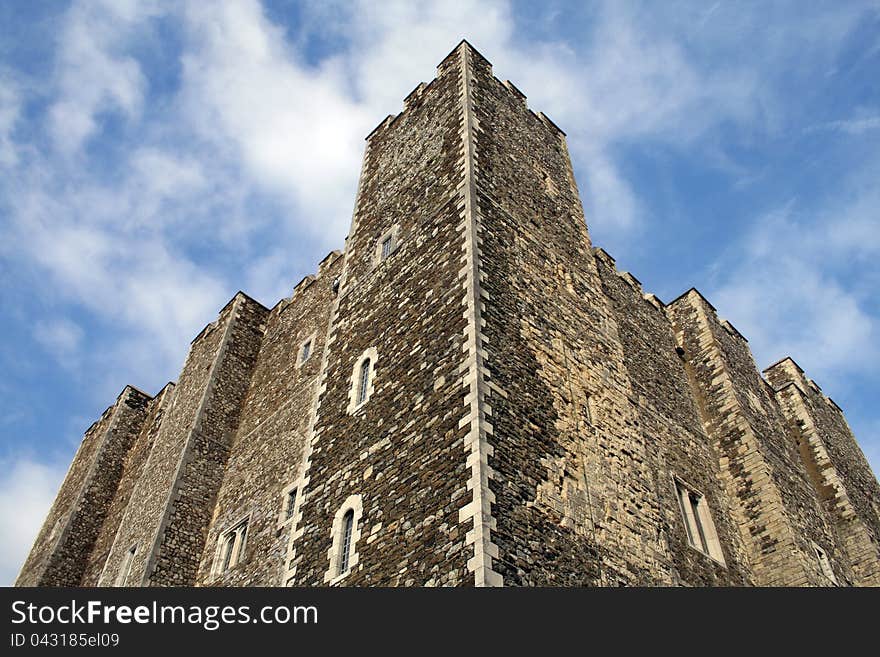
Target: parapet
{"x":683,"y":297}
{"x":654,"y":300}
{"x":210,"y":327}
{"x":451,"y":61}
{"x":305,"y":283}
{"x":686,"y":296}
{"x":388,"y":120}
{"x":601,"y":254}
{"x":546,"y":121}
{"x":512,"y":88}
{"x":414,"y":96}
{"x":786,"y":371}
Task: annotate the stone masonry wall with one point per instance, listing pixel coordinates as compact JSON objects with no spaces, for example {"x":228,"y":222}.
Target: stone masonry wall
{"x":837,"y":467}
{"x":74,"y":522}
{"x":266,"y":453}
{"x":402,"y":451}
{"x":679,"y":446}
{"x":145,"y":516}
{"x":774,"y":502}
{"x":132,"y":467}
{"x":575,"y":499}
{"x":181,"y":540}
{"x":65,"y":501}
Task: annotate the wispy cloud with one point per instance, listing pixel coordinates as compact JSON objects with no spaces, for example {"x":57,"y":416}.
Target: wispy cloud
{"x":788,"y":286}
{"x":61,"y":337}
{"x":27,"y":489}
{"x":94,"y":73}
{"x":855,"y":126}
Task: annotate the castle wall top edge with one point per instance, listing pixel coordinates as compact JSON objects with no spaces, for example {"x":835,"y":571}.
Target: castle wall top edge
{"x":732,"y":329}
{"x":782,"y":360}
{"x":128,"y":386}
{"x":684,"y":295}
{"x":599,"y":252}
{"x":422,"y":88}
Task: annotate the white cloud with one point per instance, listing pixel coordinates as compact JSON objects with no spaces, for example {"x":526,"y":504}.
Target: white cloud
{"x":94,"y":74}
{"x":27,"y":489}
{"x":253,"y":118}
{"x":146,"y":248}
{"x":783,"y":287}
{"x":61,"y":337}
{"x":295,"y":129}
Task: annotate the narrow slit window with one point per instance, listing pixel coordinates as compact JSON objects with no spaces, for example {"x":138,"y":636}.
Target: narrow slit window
{"x":361,"y":386}
{"x":387,"y":244}
{"x":228,"y":547}
{"x":683,"y":503}
{"x":345,"y":552}
{"x":306,"y":351}
{"x":343,"y":556}
{"x":825,"y":565}
{"x":291,"y":503}
{"x":125,"y":569}
{"x":363,"y":381}
{"x":695,"y":503}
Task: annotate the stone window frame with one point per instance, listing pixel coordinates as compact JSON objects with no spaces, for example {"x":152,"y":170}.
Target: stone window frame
{"x":824,"y":564}
{"x":698,"y":520}
{"x":310,"y":340}
{"x":392,"y":234}
{"x":353,"y":404}
{"x":125,"y":567}
{"x":587,"y":408}
{"x":287,"y":514}
{"x":239,"y":546}
{"x":355,"y":504}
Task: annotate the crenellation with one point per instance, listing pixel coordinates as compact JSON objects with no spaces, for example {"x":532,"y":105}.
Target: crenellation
{"x":515,"y":91}
{"x":730,"y":328}
{"x":546,"y":120}
{"x":81,"y":506}
{"x":652,"y":299}
{"x":469,"y":394}
{"x":414,"y":96}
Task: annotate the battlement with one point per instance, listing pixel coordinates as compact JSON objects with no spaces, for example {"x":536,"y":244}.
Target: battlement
{"x":684,"y":297}
{"x":414,"y":96}
{"x":451,"y":61}
{"x":223,"y":311}
{"x":693,"y":295}
{"x":650,"y":298}
{"x":786,"y":371}
{"x":306,"y":282}
{"x":515,"y":91}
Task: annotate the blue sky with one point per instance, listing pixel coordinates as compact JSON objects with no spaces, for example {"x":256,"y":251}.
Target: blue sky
{"x":156,"y":157}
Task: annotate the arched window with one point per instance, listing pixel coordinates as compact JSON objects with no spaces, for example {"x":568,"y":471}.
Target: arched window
{"x":363,"y":382}
{"x":363,"y":375}
{"x":345,"y":552}
{"x":230,"y":547}
{"x":343,"y":555}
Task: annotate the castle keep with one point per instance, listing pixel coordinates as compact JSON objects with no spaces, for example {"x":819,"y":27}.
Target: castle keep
{"x":469,"y":394}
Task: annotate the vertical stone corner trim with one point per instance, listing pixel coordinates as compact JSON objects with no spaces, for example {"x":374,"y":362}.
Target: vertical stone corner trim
{"x":477,"y":446}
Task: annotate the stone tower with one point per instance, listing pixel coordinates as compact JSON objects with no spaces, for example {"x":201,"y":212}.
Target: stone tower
{"x":468,"y":395}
